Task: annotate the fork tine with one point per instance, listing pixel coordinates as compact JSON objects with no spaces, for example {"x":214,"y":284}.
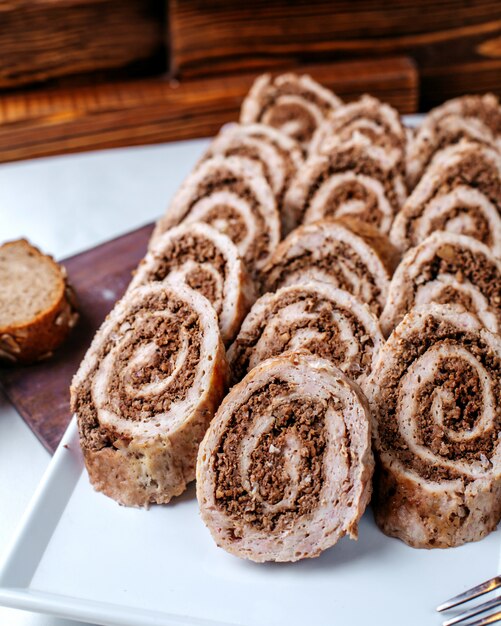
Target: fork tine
{"x":485,"y":621}
{"x":476,"y":610}
{"x":479,"y":590}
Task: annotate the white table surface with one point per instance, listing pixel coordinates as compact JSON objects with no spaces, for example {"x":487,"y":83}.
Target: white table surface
{"x":65,"y":205}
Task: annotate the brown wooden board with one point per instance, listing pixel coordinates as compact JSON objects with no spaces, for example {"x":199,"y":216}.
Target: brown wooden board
{"x":100,"y":276}
{"x":57,"y":121}
{"x":456,"y":45}
{"x":50,"y":39}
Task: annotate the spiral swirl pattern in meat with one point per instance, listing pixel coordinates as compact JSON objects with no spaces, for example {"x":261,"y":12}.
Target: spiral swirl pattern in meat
{"x":147,"y":390}
{"x":346,"y":253}
{"x":354,"y":179}
{"x":296,"y":105}
{"x":473,"y":118}
{"x":207,"y":261}
{"x":280,"y":155}
{"x":447,"y":269}
{"x":377,"y":121}
{"x":435,"y":398}
{"x":232,"y":195}
{"x":284,"y":470}
{"x":314,"y":317}
{"x":459,"y":192}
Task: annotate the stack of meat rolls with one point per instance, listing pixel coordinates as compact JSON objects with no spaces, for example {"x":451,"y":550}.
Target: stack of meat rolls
{"x":355,"y":167}
{"x":318,"y":261}
{"x":323,"y":289}
{"x":434,"y":390}
{"x":295,"y":105}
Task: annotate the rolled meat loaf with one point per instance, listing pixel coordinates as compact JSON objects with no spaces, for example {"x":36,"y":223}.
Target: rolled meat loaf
{"x":446,"y":268}
{"x":459,"y":192}
{"x":346,"y":253}
{"x":280,"y":155}
{"x":146,"y":391}
{"x":231,"y":194}
{"x":313,"y":317}
{"x":354,"y":178}
{"x":377,"y":121}
{"x":285,"y":468}
{"x":434,"y":394}
{"x":476,"y":118}
{"x":208,"y":262}
{"x":296,"y":105}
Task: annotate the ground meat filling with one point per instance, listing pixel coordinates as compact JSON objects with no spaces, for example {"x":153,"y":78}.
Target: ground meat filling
{"x":293,"y":89}
{"x":475,"y":171}
{"x":251,"y":152}
{"x":477,"y":225}
{"x":350,"y":191}
{"x":458,"y":383}
{"x":167,"y":336}
{"x":145,"y":328}
{"x":464,"y":265}
{"x":329,"y":345}
{"x":488,"y":113}
{"x":444,"y":138}
{"x":449,"y":295}
{"x":352,"y":161}
{"x":234,"y":224}
{"x":284,"y":154}
{"x":302,"y":418}
{"x":344,"y":128}
{"x":338,"y":255}
{"x":200,"y":250}
{"x":283,"y":113}
{"x":204,"y":282}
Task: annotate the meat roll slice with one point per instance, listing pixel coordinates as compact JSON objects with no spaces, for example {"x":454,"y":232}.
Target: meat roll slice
{"x":285,"y":468}
{"x":460,"y":192}
{"x":146,"y":391}
{"x":355,"y":178}
{"x":314,"y":317}
{"x":296,"y":105}
{"x":435,"y":398}
{"x":207,"y":261}
{"x":476,"y":118}
{"x":280,"y":155}
{"x":346,"y":253}
{"x":231,"y":194}
{"x":446,"y":268}
{"x":368,"y":116}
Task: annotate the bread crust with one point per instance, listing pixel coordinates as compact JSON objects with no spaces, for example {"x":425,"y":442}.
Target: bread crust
{"x":37,"y":338}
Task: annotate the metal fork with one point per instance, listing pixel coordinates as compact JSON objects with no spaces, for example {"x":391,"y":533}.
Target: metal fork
{"x":471,"y":594}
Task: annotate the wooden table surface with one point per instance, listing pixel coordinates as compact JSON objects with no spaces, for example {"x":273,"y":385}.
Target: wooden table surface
{"x":99,"y":276}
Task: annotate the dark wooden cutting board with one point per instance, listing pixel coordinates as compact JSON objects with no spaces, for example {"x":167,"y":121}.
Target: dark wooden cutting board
{"x":99,"y":276}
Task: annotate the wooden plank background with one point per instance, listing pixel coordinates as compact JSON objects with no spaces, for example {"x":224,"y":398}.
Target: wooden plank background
{"x":456,"y":45}
{"x":56,"y":121}
{"x":104,"y":62}
{"x":44,"y":39}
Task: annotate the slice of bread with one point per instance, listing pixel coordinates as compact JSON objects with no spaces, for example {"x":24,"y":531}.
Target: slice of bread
{"x":37,"y":306}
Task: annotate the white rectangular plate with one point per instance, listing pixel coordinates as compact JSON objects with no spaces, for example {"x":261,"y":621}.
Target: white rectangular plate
{"x":80,"y":555}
